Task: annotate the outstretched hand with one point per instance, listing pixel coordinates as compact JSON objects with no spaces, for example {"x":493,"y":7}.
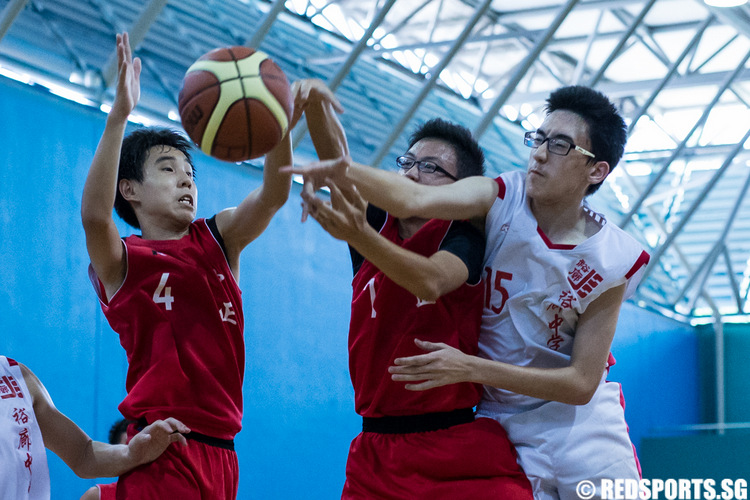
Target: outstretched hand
{"x":311,"y":91}
{"x":344,"y":217}
{"x":319,"y":174}
{"x":147,"y":445}
{"x":128,"y":79}
{"x":442,"y":365}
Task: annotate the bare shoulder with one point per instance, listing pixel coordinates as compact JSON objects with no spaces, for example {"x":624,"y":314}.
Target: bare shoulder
{"x":36,"y":389}
{"x":223,"y":219}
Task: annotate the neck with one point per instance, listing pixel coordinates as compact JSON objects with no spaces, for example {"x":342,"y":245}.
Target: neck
{"x":561,"y":223}
{"x":158,"y":232}
{"x":409,"y":226}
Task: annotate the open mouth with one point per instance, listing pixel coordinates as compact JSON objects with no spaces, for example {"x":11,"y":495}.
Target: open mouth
{"x":187,"y":200}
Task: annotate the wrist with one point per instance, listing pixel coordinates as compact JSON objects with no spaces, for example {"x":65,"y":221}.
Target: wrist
{"x":114,"y":119}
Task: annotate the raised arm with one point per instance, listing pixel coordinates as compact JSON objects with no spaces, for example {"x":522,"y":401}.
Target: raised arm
{"x":467,"y":198}
{"x":428,"y":278}
{"x":241,"y":225}
{"x":102,"y":238}
{"x":574,"y":384}
{"x":327,"y":133}
{"x":88,"y":458}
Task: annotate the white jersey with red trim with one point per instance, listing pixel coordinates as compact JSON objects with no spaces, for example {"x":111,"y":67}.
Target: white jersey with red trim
{"x":24,"y":474}
{"x":536,"y":290}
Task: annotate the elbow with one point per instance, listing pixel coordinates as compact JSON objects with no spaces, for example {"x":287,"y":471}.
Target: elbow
{"x":428,"y":291}
{"x":84,"y":474}
{"x":427,"y":296}
{"x":581,"y":394}
{"x":93,"y":221}
{"x":93,"y":226}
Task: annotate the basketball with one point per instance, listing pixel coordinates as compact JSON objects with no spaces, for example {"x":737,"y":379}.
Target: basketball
{"x":235,"y":103}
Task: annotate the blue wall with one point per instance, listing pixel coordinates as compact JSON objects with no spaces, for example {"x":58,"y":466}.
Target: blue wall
{"x":299,"y":415}
{"x":657,"y":365}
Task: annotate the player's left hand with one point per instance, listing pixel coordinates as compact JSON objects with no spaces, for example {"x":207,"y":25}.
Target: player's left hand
{"x":442,"y":365}
{"x":147,"y":445}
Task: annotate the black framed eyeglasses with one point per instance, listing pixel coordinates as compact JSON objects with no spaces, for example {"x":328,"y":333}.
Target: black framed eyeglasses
{"x":555,"y":146}
{"x":406,"y":163}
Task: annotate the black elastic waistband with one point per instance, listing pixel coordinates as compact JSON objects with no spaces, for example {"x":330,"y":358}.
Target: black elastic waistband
{"x":227,"y":444}
{"x":417,"y":423}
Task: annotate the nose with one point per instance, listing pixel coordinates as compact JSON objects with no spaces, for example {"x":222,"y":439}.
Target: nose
{"x":541,"y":152}
{"x":186,"y":179}
{"x":412,"y":173}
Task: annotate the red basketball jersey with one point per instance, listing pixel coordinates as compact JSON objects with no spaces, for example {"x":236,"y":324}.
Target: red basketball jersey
{"x":386,"y":319}
{"x":179,"y":317}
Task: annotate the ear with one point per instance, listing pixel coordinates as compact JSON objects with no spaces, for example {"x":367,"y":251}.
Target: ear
{"x":598,"y":172}
{"x":128,"y":190}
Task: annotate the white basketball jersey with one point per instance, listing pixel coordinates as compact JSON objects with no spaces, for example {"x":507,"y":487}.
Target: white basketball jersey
{"x":535,"y":290}
{"x":24,"y":473}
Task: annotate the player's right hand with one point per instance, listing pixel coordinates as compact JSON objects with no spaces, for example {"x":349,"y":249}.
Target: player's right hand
{"x":128,"y":79}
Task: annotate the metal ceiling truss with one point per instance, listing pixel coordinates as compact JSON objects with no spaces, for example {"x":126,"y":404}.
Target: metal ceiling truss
{"x":489,"y":65}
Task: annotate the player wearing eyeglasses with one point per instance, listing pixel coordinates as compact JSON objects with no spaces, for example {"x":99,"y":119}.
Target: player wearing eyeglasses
{"x":415,"y":278}
{"x":555,"y":275}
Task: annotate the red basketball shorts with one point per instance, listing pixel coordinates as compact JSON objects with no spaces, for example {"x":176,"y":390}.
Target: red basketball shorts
{"x":193,"y":472}
{"x":467,"y":461}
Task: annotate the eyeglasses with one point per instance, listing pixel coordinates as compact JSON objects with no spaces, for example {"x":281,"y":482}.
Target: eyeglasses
{"x":555,"y":146}
{"x":406,"y":163}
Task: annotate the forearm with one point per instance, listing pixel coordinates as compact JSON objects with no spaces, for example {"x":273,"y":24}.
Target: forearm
{"x":327,"y":133}
{"x":241,"y":225}
{"x":465,"y":199}
{"x":566,"y":384}
{"x":276,"y":185}
{"x":387,"y":190}
{"x":104,"y":460}
{"x":428,"y":278}
{"x":101,"y":182}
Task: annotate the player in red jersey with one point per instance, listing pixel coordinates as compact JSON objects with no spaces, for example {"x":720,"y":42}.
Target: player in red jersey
{"x":415,"y":444}
{"x":172,"y":293}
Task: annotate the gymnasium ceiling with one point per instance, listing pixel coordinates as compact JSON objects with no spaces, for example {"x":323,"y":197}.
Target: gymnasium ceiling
{"x":677,"y":69}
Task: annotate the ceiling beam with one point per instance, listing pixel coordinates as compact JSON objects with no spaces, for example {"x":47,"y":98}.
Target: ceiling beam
{"x":429,"y":84}
{"x":137,"y":34}
{"x":621,"y":43}
{"x":678,"y":150}
{"x":523,"y":68}
{"x":699,"y":199}
{"x":9,"y":14}
{"x":265,"y":26}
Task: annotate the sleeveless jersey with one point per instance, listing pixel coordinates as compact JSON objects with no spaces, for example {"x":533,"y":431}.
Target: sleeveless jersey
{"x":179,"y":317}
{"x":536,"y":290}
{"x":385,"y":320}
{"x":25,"y":475}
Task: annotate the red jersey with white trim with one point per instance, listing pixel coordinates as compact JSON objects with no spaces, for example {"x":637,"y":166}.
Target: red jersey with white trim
{"x":24,"y":474}
{"x":536,"y":290}
{"x":386,"y":319}
{"x":179,"y":317}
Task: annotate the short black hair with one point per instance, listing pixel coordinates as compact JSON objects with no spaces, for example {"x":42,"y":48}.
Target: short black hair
{"x":469,"y":155}
{"x":606,"y":127}
{"x":118,"y":429}
{"x":135,"y":148}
